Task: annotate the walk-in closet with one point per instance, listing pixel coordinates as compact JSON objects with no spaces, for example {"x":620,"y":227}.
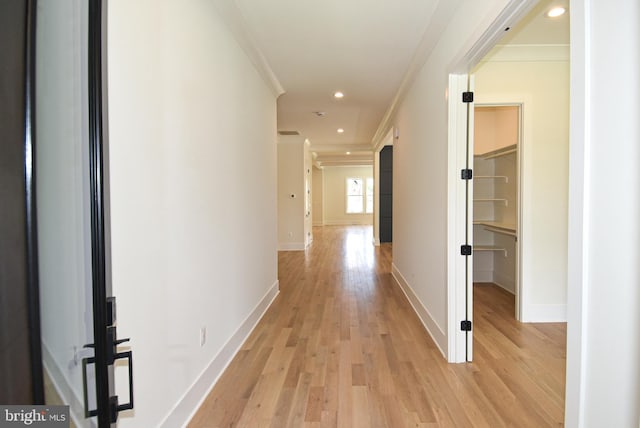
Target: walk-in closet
{"x":495,"y":196}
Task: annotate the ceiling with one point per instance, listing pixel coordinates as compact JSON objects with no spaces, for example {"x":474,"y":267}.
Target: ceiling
{"x":363,"y":48}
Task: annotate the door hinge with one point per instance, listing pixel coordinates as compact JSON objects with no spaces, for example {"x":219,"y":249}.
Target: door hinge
{"x":465,"y":325}
{"x":466,"y":250}
{"x":467,"y":174}
{"x":467,"y":97}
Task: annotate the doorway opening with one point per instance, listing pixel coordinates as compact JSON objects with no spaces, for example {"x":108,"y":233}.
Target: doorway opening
{"x":496,"y":206}
{"x":518,"y":221}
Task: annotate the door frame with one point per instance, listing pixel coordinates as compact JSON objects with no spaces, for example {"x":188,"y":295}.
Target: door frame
{"x":457,"y":288}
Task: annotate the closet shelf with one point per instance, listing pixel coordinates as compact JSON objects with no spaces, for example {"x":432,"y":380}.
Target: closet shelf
{"x":500,"y":152}
{"x":498,"y":227}
{"x":503,"y":177}
{"x":490,"y":248}
{"x":505,"y":201}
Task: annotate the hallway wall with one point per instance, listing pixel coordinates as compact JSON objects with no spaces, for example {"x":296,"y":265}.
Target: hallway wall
{"x":420,"y":221}
{"x":193,"y":184}
{"x":317,"y":196}
{"x":291,"y":176}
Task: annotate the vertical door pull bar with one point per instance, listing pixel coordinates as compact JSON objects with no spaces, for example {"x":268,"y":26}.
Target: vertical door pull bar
{"x":85,"y":362}
{"x":115,"y":406}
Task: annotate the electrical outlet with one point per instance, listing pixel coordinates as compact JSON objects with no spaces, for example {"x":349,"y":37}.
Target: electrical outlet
{"x":203,"y":336}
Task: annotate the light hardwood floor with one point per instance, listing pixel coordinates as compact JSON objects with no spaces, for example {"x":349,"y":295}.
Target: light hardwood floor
{"x":341,"y":346}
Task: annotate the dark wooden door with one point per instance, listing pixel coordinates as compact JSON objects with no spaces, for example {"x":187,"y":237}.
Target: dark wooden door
{"x":386,"y":194}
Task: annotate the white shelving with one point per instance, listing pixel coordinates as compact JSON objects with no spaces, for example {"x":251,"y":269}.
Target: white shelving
{"x":495,"y":199}
{"x":498,"y":227}
{"x":499,"y":152}
{"x":490,"y":248}
{"x":494,"y":177}
{"x":504,"y":201}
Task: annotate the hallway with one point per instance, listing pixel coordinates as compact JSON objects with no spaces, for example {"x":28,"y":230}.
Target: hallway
{"x":341,"y":346}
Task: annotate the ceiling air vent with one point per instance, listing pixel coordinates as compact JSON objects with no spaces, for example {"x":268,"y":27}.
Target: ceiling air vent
{"x":288,"y":133}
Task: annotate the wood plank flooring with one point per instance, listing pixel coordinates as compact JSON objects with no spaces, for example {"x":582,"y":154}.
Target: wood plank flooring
{"x":342,"y":347}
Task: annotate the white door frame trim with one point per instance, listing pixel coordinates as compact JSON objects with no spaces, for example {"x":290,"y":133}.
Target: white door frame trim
{"x":456,"y":207}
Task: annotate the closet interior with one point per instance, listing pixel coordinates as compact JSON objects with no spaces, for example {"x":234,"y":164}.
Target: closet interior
{"x":495,"y":195}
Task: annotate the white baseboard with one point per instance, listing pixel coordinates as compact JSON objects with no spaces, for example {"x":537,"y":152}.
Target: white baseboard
{"x":376,"y":242}
{"x":292,"y":246}
{"x":367,"y":222}
{"x":544,"y":313}
{"x":432,"y":327}
{"x":191,"y":401}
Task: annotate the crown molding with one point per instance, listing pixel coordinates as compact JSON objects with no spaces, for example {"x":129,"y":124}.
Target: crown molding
{"x":323,"y":148}
{"x":441,"y":17}
{"x":437,"y":24}
{"x":232,"y":17}
{"x":528,"y":53}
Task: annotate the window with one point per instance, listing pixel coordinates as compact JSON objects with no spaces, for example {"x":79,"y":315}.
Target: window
{"x":359,"y":197}
{"x":355,"y":195}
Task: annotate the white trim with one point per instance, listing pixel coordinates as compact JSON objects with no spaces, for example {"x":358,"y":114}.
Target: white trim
{"x":440,"y":18}
{"x":232,"y":17}
{"x":439,"y":337}
{"x":546,"y":313}
{"x":514,"y":11}
{"x":579,"y":203}
{"x":528,"y":53}
{"x":456,"y":207}
{"x":191,"y":401}
{"x":291,"y":246}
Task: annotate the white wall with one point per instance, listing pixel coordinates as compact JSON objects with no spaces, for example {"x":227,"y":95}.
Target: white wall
{"x":317,"y":195}
{"x":603,"y":345}
{"x":308,"y":196}
{"x":542,"y":85}
{"x":193,"y":190}
{"x":291,"y":197}
{"x":335,"y":200}
{"x":420,"y":216}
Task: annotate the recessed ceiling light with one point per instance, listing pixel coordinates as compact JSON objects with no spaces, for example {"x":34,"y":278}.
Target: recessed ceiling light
{"x":348,"y":153}
{"x":340,"y":130}
{"x":338,"y":94}
{"x":556,"y":12}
